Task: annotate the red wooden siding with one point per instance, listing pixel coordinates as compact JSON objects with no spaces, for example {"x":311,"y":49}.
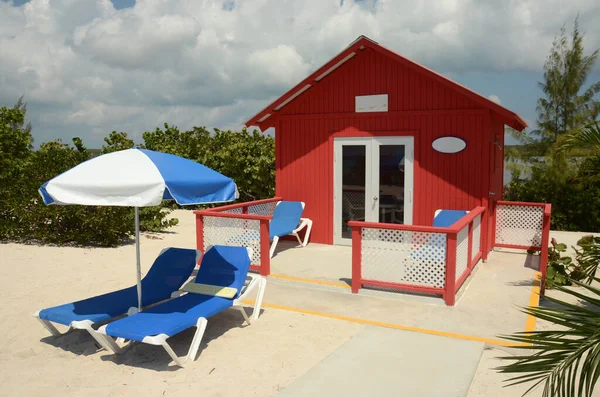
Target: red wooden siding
{"x":450,"y":181}
{"x":372,"y":73}
{"x":419,"y":105}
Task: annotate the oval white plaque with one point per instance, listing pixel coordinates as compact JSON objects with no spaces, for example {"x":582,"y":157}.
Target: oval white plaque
{"x":449,"y":144}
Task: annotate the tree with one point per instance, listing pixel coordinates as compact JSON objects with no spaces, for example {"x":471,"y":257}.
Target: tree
{"x":566,"y":104}
{"x":116,"y":141}
{"x":15,"y":138}
{"x":246,"y":157}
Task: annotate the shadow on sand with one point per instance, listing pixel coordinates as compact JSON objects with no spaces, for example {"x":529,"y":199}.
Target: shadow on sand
{"x":141,"y":355}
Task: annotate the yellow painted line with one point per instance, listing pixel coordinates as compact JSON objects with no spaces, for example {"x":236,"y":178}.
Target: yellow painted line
{"x":310,"y":281}
{"x":388,"y":325}
{"x":534,"y":301}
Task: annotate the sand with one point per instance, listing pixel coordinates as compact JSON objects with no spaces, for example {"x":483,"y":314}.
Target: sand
{"x":234,"y":359}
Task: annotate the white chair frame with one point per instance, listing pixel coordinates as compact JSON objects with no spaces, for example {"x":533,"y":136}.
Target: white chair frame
{"x":304,"y":223}
{"x":256,"y":282}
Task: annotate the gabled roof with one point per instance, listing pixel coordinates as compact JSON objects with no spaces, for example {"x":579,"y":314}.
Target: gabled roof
{"x":261,"y":119}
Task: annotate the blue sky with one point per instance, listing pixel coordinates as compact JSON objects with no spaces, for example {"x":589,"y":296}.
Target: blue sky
{"x":93,"y":66}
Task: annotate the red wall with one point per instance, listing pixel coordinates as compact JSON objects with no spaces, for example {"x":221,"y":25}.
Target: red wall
{"x":418,"y":106}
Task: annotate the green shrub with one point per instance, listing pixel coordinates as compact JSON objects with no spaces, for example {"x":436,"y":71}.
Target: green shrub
{"x":575,"y":198}
{"x":24,"y":216}
{"x":247,"y":158}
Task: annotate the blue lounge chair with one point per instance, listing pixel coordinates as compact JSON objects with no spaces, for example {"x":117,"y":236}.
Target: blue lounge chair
{"x":447,"y":218}
{"x":170,"y":270}
{"x":219,"y":285}
{"x":431,"y":250}
{"x":287,"y":219}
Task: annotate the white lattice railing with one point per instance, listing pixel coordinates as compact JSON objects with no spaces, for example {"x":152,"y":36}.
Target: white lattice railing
{"x":233,"y":231}
{"x":476,"y":237}
{"x":422,"y":259}
{"x":266,"y":209}
{"x":462,"y":252}
{"x":245,"y":224}
{"x":524,"y":226}
{"x":519,"y":225}
{"x":404,"y":257}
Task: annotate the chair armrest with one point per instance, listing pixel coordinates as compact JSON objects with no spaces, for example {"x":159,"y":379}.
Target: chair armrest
{"x":177,"y":294}
{"x":255,"y":281}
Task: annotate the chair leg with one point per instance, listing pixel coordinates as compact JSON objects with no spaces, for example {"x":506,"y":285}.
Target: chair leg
{"x":200,"y":328}
{"x":50,"y":327}
{"x":194,"y":346}
{"x":259,"y":298}
{"x":297,"y":237}
{"x":171,"y":353}
{"x":104,"y":340}
{"x":307,"y":234}
{"x":245,"y":314}
{"x":273,"y":245}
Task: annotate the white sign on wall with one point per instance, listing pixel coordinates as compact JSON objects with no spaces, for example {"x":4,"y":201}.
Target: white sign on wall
{"x":371,"y":103}
{"x":449,"y":144}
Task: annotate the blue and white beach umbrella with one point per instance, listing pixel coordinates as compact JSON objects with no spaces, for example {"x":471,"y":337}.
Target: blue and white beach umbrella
{"x":138,"y":178}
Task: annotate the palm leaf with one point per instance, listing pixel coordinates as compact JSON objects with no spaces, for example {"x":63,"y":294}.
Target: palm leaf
{"x":587,"y":136}
{"x":566,"y":361}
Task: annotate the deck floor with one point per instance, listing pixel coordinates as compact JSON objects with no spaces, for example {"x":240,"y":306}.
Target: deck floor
{"x":330,"y":263}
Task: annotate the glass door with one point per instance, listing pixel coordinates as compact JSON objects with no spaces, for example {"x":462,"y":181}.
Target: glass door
{"x":352,"y":159}
{"x":373,"y":181}
{"x":392,"y":169}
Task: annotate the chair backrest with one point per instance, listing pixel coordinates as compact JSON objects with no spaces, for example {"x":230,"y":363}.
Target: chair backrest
{"x":169,"y":271}
{"x":286,"y":217}
{"x":224,"y":266}
{"x":446,"y":218}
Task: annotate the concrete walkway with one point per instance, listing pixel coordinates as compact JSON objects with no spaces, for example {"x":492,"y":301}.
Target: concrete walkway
{"x":386,"y":362}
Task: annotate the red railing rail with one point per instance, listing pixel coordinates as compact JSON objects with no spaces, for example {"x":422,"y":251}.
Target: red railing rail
{"x":427,"y":237}
{"x":239,"y":228}
{"x":242,"y":205}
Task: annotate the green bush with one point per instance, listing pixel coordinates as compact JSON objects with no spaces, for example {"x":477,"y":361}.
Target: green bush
{"x":247,"y":158}
{"x":575,"y":197}
{"x":24,"y":216}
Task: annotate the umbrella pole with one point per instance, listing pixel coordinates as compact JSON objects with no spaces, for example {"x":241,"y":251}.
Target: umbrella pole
{"x":137,"y":257}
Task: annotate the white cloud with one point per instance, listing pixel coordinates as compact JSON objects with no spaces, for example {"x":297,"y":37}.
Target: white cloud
{"x":495,"y":98}
{"x":86,"y":67}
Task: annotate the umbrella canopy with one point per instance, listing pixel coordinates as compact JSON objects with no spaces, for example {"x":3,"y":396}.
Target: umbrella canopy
{"x":138,"y":178}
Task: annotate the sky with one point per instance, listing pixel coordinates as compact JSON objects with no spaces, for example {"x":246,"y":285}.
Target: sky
{"x":88,"y":67}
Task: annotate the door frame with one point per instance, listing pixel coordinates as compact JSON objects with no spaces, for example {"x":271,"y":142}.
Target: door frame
{"x":409,"y":171}
{"x":372,"y":144}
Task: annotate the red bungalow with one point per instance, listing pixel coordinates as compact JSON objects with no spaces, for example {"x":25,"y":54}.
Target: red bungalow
{"x":374,"y":144}
{"x":356,"y":140}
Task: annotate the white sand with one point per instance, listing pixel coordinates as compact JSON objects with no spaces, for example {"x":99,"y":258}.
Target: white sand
{"x":234,"y":359}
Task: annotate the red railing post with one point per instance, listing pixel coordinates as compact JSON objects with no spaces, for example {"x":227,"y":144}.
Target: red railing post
{"x":245,"y":212}
{"x":265,"y":246}
{"x":544,"y":250}
{"x":199,"y":232}
{"x":356,"y":259}
{"x":450,"y":287}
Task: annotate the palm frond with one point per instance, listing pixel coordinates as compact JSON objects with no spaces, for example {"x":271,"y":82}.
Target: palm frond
{"x":587,"y":136}
{"x":565,"y":360}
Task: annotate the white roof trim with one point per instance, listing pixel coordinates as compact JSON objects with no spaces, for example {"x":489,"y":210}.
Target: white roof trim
{"x":334,"y":67}
{"x":263,"y":118}
{"x":282,"y":104}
